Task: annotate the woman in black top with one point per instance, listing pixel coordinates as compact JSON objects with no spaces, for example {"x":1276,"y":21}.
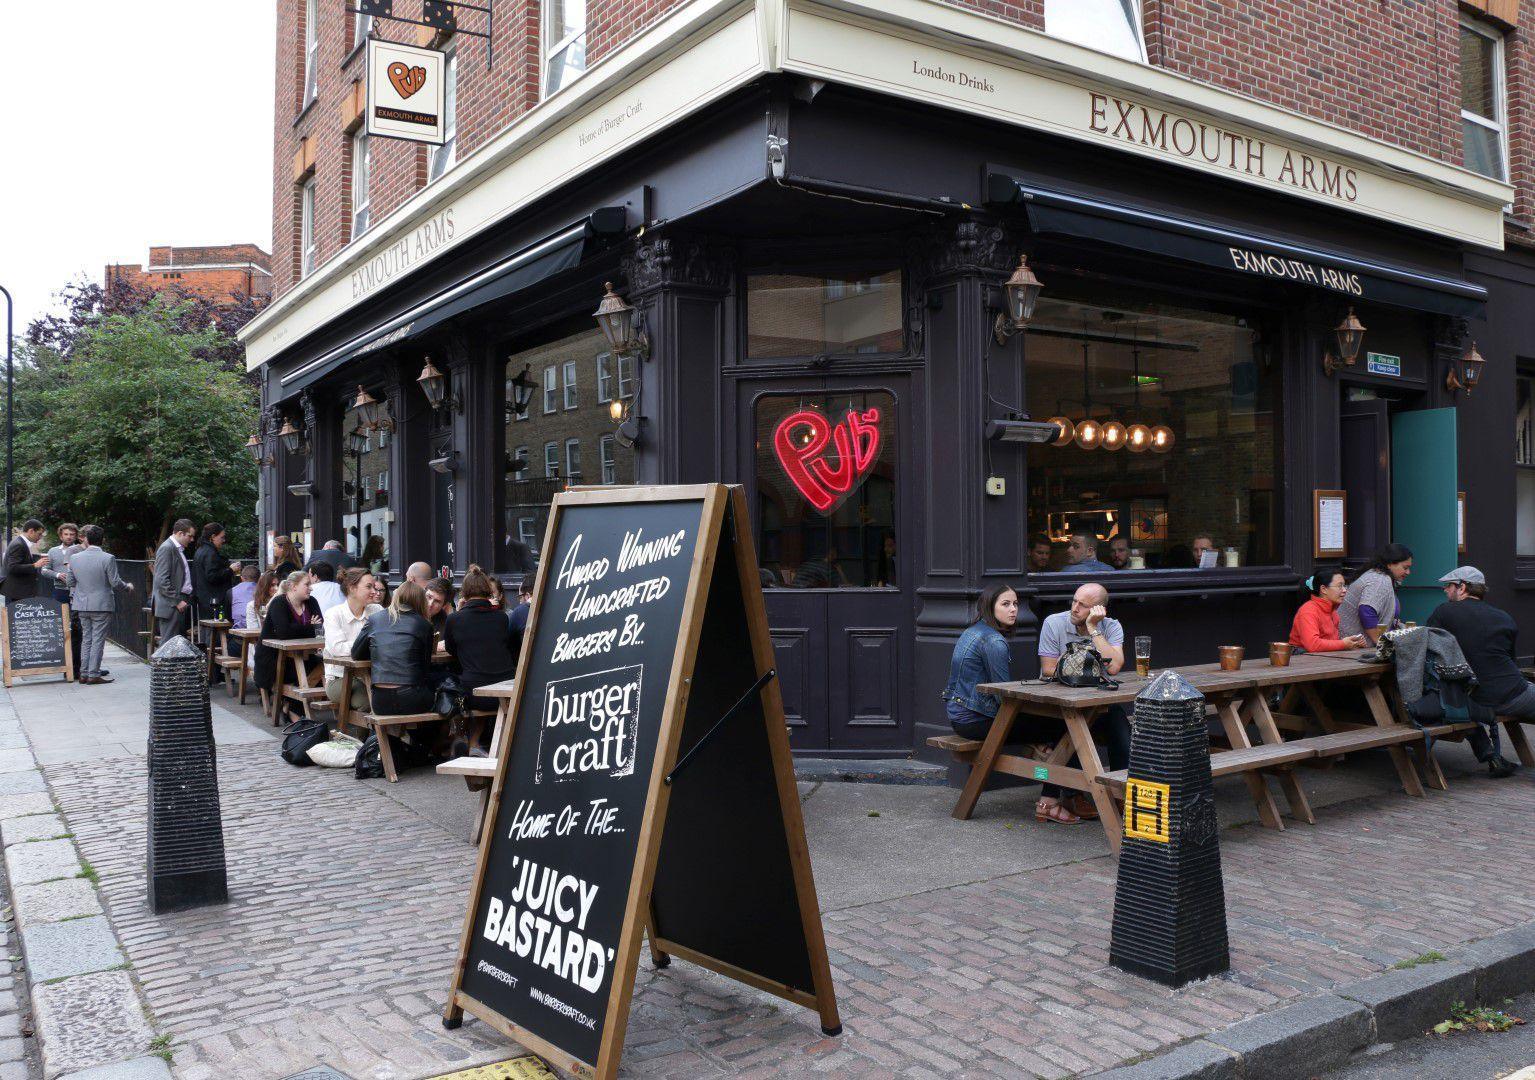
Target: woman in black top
{"x":480,"y":639}
{"x":399,"y":642}
{"x":284,"y":557}
{"x":291,"y":616}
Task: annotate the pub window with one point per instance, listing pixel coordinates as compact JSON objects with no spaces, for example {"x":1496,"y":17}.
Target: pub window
{"x":1173,"y":418}
{"x":825,"y":520}
{"x":797,"y":315}
{"x":605,"y":450}
{"x":529,"y":486}
{"x":1111,"y":26}
{"x":362,"y":164}
{"x":1524,"y":464}
{"x":564,"y":40}
{"x":1483,"y":99}
{"x":443,"y":156}
{"x":307,"y":231}
{"x":311,"y":51}
{"x":365,"y":491}
{"x":570,"y":384}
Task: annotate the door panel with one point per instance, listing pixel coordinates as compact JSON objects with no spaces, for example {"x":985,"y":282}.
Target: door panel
{"x":1366,"y":451}
{"x":800,"y":659}
{"x":1424,"y":504}
{"x":868,"y":680}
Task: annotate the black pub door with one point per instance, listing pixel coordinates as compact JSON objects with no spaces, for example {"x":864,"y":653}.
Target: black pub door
{"x":824,"y":460}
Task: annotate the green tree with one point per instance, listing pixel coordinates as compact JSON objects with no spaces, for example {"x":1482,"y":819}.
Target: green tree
{"x":133,"y":428}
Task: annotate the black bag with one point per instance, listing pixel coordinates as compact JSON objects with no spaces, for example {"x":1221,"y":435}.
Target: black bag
{"x":450,"y":698}
{"x":368,"y":765}
{"x":1082,"y":666}
{"x":299,"y":736}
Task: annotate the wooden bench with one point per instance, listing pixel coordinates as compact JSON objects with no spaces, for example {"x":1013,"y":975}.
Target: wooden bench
{"x":963,"y":749}
{"x":480,"y":772}
{"x":1247,"y":759}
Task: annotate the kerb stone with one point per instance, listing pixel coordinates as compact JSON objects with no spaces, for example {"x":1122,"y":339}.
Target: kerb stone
{"x":1504,"y":963}
{"x":1407,"y":1003}
{"x":59,"y":949}
{"x":67,"y":898}
{"x":1198,"y":1060}
{"x":1299,"y":1041}
{"x":23,"y":830}
{"x":89,"y":1021}
{"x":144,"y":1068}
{"x":27,"y":864}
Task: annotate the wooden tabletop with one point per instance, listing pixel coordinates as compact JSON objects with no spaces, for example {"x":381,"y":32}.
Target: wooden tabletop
{"x":349,"y":663}
{"x":504,"y":689}
{"x":251,"y":635}
{"x":215,"y":624}
{"x":294,"y":644}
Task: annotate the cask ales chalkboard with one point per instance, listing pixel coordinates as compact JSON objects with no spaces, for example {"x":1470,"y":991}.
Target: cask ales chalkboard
{"x":644,"y":783}
{"x":35,"y":636}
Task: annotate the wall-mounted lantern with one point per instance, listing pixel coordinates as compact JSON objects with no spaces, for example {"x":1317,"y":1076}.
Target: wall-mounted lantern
{"x":253,"y":447}
{"x":1465,"y":373}
{"x":292,"y":438}
{"x":622,"y":324}
{"x":1350,"y":333}
{"x":367,"y":408}
{"x":1022,"y":293}
{"x":434,"y":384}
{"x":357,"y":440}
{"x":521,"y":388}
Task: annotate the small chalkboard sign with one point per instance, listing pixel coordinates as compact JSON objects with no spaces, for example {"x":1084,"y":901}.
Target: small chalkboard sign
{"x":648,"y":785}
{"x":34,"y":638}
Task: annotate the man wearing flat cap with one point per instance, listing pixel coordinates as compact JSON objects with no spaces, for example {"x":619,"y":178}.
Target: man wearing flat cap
{"x":1486,"y":635}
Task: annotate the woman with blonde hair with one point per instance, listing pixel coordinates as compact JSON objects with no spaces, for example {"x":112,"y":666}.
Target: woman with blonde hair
{"x":398,"y":640}
{"x":291,"y":615}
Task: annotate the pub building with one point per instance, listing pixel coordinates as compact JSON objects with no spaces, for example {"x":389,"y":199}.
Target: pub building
{"x":928,"y":284}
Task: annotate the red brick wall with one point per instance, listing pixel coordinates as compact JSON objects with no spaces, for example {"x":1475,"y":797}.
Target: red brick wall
{"x":1387,"y":68}
{"x":216,"y":285}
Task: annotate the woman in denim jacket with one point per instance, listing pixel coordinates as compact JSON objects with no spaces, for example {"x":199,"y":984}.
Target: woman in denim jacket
{"x":981,"y":656}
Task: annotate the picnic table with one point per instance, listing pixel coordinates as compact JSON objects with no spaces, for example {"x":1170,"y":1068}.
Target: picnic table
{"x":248,"y":639}
{"x":216,"y":629}
{"x":304,"y":692}
{"x":1239,"y":698}
{"x":479,"y":772}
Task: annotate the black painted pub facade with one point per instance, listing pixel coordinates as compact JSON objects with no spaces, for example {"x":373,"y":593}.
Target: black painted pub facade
{"x":819,"y":270}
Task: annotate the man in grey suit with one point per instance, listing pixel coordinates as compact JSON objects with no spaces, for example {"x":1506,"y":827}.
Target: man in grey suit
{"x":173,"y":581}
{"x":95,"y":583}
{"x":58,"y":559}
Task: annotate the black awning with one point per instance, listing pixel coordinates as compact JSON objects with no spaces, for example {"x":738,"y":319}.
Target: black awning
{"x":1056,"y":214}
{"x":554,"y":253}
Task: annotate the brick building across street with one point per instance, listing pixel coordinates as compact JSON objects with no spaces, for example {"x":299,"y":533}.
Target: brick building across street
{"x":814,"y":207}
{"x":219,"y":273}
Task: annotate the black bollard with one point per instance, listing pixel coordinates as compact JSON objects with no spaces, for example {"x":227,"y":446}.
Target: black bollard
{"x":186,"y":834}
{"x":1169,"y":903}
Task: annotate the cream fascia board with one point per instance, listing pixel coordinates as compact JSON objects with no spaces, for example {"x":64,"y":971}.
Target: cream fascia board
{"x":875,"y":44}
{"x":698,"y":54}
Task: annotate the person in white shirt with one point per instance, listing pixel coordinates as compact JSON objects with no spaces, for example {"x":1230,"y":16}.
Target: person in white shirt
{"x":325,"y":590}
{"x":342,"y":625}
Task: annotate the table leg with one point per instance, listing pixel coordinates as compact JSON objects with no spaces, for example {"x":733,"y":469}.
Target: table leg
{"x":980,"y":771}
{"x":245,"y":658}
{"x":1268,"y":731}
{"x":1376,"y":700}
{"x":1079,"y":729}
{"x":344,"y":706}
{"x":1257,"y":786}
{"x":277,"y":679}
{"x":1319,"y":708}
{"x":1521,"y":742}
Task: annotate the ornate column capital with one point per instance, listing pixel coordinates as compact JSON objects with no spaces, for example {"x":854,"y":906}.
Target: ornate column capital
{"x":679,"y":261}
{"x":971,"y":247}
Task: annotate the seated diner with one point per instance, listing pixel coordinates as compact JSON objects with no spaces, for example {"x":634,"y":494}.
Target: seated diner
{"x":1370,"y":606}
{"x":1315,"y":628}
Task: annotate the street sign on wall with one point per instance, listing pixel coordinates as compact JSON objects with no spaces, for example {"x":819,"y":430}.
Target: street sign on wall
{"x":406,"y":92}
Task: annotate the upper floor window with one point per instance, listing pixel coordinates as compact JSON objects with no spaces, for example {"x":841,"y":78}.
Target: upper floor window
{"x":311,"y":50}
{"x":564,"y":43}
{"x":1111,"y":26}
{"x":571,"y":398}
{"x":307,"y":245}
{"x":551,"y":460}
{"x":551,"y":390}
{"x":573,"y":459}
{"x":444,"y":155}
{"x":1483,"y":99}
{"x":605,"y":450}
{"x":362,"y":164}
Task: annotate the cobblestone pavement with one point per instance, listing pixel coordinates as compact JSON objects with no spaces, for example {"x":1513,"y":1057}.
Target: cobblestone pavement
{"x":346,"y":905}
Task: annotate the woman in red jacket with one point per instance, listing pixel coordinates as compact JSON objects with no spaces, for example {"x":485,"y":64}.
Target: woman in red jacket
{"x":1316,"y":623}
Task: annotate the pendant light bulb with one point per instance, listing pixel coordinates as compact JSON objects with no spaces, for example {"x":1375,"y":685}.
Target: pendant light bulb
{"x":1162,"y":439}
{"x":1114,"y":435}
{"x":1089,"y":434}
{"x":1067,"y":429}
{"x":1138,"y":438}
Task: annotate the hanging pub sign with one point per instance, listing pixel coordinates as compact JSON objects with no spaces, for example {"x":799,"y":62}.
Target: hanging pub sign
{"x":644,"y":784}
{"x":406,"y":92}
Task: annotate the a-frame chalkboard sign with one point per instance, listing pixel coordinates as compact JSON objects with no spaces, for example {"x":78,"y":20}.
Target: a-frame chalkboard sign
{"x":34,"y":639}
{"x":644,"y":784}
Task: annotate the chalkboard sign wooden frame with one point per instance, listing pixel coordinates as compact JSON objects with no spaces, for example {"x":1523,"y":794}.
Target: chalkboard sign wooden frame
{"x":722,"y":579}
{"x":66,"y":669}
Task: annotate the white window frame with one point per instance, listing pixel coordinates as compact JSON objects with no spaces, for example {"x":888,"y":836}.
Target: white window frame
{"x":308,"y":248}
{"x":362,"y":26}
{"x":383,"y":482}
{"x":604,"y":379}
{"x":442,"y":157}
{"x":551,"y":48}
{"x":551,"y":390}
{"x":551,"y":461}
{"x":626,"y":377}
{"x":527,"y":530}
{"x":608,"y":457}
{"x":311,"y":51}
{"x":572,"y":459}
{"x":572,"y":395}
{"x":520,"y":472}
{"x":362,"y":161}
{"x":1133,"y":13}
{"x":1499,"y":90}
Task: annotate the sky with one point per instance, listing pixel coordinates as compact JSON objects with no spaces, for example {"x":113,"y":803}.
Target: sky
{"x":151,"y":125}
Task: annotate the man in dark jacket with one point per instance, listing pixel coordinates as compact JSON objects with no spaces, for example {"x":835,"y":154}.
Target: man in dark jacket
{"x":331,"y":553}
{"x":213,"y":575}
{"x":21,"y":566}
{"x":1486,"y":635}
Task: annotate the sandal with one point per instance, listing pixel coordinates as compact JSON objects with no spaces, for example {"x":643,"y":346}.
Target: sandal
{"x":1082,"y":806}
{"x":1054,"y":813}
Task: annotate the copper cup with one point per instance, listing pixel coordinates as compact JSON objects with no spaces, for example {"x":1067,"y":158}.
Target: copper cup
{"x":1279,"y":653}
{"x":1231,"y":657}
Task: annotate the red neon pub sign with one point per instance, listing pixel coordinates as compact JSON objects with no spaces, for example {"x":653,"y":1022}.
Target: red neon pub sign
{"x":800,"y":441}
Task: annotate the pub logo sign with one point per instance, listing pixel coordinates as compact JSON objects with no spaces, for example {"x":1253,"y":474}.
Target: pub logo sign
{"x":406,"y":92}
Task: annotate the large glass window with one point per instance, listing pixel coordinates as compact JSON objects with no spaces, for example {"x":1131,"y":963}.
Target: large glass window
{"x":553,"y":446}
{"x":794,"y":315}
{"x":564,"y":40}
{"x":364,"y":491}
{"x":1524,"y":463}
{"x":826,"y":489}
{"x":1111,"y":26}
{"x":1483,"y":102}
{"x":1173,"y":418}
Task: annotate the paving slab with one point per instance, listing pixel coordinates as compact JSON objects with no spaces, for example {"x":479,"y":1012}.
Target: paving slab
{"x":22,"y":783}
{"x":16,"y":760}
{"x":51,"y":901}
{"x":144,"y":1068}
{"x":89,"y":1021}
{"x":33,"y":827}
{"x":56,"y":950}
{"x":27,"y":864}
{"x":20,"y":805}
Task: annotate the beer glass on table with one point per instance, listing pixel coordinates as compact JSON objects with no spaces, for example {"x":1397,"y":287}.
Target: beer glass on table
{"x":1143,"y":656}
